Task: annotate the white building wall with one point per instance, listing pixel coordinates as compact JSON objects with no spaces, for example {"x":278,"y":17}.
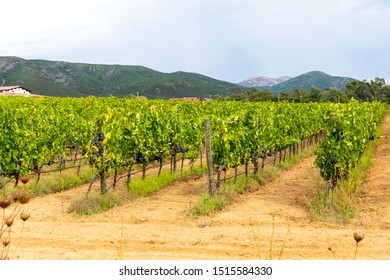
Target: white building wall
{"x":20,"y":91}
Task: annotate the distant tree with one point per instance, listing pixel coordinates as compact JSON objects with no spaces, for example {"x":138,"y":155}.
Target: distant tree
{"x":264,"y":95}
{"x":300,"y":95}
{"x":315,"y":94}
{"x":284,"y":96}
{"x":253,"y":95}
{"x":386,"y":93}
{"x":218,"y":97}
{"x":334,"y":95}
{"x":358,"y":90}
{"x":237,"y":96}
{"x":297,"y":95}
{"x":305,"y":96}
{"x":376,"y":87}
{"x":365,"y":91}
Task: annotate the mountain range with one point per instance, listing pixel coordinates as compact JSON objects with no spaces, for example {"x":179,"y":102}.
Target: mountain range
{"x":58,"y":78}
{"x":305,"y":81}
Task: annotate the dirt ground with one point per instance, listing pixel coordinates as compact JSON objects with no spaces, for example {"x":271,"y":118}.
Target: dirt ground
{"x":270,"y":223}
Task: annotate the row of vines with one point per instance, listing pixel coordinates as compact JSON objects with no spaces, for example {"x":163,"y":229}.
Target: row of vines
{"x":113,"y":134}
{"x":348,"y":129}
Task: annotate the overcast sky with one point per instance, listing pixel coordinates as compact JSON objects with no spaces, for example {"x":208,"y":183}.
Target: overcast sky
{"x":225,"y":39}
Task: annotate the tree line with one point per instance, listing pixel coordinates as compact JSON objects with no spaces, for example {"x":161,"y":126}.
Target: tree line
{"x":360,"y":90}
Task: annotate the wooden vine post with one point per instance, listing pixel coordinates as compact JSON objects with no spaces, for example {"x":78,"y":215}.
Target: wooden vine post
{"x":209,"y":158}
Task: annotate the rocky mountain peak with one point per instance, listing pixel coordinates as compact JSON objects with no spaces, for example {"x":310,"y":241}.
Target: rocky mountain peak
{"x":263,"y":81}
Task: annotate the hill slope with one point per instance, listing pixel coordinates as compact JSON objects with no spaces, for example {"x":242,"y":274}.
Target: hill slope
{"x":305,"y":81}
{"x":57,"y":78}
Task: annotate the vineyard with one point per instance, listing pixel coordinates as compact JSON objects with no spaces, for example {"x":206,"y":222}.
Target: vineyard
{"x":112,"y":135}
{"x":125,"y":141}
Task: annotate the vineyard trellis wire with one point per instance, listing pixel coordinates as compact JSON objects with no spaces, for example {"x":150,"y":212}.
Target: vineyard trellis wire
{"x":266,"y":158}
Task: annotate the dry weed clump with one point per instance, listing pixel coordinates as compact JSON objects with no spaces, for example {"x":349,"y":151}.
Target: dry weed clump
{"x":9,"y":220}
{"x":358,"y":236}
{"x":5,"y":202}
{"x":24,"y":180}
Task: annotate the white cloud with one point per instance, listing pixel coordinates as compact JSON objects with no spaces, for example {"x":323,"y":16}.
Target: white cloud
{"x":226,"y":39}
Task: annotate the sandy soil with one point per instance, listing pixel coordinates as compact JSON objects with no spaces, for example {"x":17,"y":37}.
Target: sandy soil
{"x":257,"y":226}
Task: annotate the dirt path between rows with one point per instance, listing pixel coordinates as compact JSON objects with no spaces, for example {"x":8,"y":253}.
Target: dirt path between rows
{"x":270,"y":223}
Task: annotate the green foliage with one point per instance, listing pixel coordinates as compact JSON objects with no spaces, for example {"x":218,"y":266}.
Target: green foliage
{"x":94,"y":203}
{"x":369,"y":90}
{"x":340,"y":205}
{"x":252,"y":95}
{"x":36,"y":130}
{"x":207,"y":204}
{"x":348,"y":129}
{"x":141,"y":131}
{"x":153,"y":183}
{"x":55,"y":182}
{"x":238,"y":134}
{"x":338,"y":208}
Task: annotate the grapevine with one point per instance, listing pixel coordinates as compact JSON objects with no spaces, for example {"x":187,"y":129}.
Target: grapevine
{"x":114,"y":134}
